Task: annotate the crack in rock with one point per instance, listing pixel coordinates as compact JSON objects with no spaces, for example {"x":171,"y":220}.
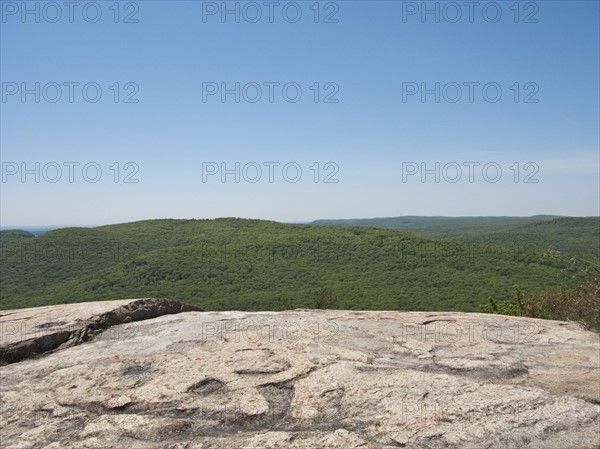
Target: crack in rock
{"x":142,"y":309}
{"x":206,"y":386}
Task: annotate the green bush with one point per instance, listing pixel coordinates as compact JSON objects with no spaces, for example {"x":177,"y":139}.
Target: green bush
{"x":515,"y":307}
{"x":580,"y":304}
{"x":324,"y":299}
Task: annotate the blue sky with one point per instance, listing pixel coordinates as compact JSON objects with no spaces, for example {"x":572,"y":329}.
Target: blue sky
{"x":543,"y":123}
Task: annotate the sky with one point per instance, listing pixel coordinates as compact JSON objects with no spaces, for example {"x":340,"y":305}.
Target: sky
{"x":294,"y":111}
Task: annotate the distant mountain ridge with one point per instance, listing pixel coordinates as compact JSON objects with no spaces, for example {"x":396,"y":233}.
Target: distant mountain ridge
{"x":38,"y":230}
{"x":239,"y":264}
{"x":437,"y":226}
{"x":572,"y":235}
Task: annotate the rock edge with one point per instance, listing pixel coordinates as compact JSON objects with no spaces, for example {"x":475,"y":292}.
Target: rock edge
{"x":85,"y":330}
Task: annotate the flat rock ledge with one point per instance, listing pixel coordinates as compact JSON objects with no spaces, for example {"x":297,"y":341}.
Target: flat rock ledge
{"x":28,"y":332}
{"x":311,"y":379}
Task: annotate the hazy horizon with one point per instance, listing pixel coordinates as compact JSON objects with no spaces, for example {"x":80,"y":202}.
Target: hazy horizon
{"x":86,"y":225}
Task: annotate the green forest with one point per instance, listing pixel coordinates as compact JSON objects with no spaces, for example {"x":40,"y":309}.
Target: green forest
{"x":241,"y":264}
{"x":566,"y":234}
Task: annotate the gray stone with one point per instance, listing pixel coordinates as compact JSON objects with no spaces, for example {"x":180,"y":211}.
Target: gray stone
{"x":311,"y":379}
{"x":26,"y":332}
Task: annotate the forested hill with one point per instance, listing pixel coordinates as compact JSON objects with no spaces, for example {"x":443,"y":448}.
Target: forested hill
{"x":14,"y":235}
{"x":242,"y":264}
{"x":440,"y":227}
{"x":571,"y":235}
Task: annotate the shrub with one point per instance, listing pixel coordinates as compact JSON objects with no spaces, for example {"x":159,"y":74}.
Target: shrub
{"x":323,"y":299}
{"x":580,"y":304}
{"x":514,"y":308}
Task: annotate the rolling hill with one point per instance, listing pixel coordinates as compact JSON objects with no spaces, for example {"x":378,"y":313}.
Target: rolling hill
{"x":570,"y":235}
{"x":228,"y":264}
{"x":14,"y":235}
{"x":440,"y":227}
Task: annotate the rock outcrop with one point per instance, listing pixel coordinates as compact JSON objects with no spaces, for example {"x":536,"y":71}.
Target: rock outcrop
{"x":27,"y":332}
{"x":311,"y":379}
